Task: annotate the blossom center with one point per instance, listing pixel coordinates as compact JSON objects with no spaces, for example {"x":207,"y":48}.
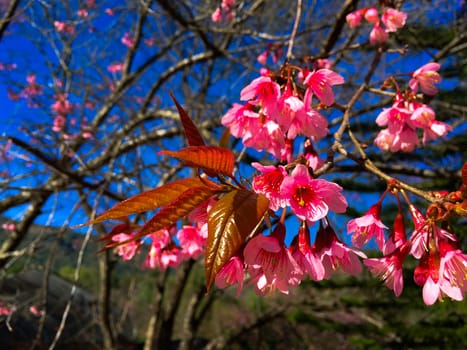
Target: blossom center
{"x":303,"y":195}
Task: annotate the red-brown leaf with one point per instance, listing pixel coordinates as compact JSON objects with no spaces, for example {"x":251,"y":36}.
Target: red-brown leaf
{"x":192,"y":133}
{"x":212,"y":159}
{"x":230,"y":221}
{"x":177,"y":209}
{"x":151,"y":199}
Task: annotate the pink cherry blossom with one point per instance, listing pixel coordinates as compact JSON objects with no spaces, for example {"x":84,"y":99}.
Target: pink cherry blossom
{"x":115,"y":67}
{"x":216,"y":16}
{"x":59,"y":123}
{"x":63,"y":27}
{"x":192,"y":241}
{"x":320,"y":82}
{"x":454,"y":264}
{"x":431,"y":275}
{"x":128,"y":40}
{"x":262,"y":57}
{"x":426,"y":77}
{"x":270,"y":263}
{"x":334,"y":254}
{"x":393,"y":19}
{"x":240,"y":119}
{"x":435,"y":130}
{"x":311,"y":199}
{"x":306,"y":256}
{"x":83,"y":13}
{"x":405,"y":140}
{"x":5,"y":310}
{"x":269,"y":183}
{"x":33,"y":309}
{"x":354,"y":18}
{"x":367,"y":227}
{"x":313,"y":161}
{"x":389,"y":269}
{"x":126,"y":250}
{"x":397,"y":237}
{"x":232,"y":272}
{"x":62,"y":105}
{"x":371,"y":15}
{"x":378,"y":35}
{"x":266,"y":92}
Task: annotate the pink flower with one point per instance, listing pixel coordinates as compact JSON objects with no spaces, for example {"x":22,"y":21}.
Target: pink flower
{"x":192,"y":241}
{"x":115,"y":67}
{"x":126,"y":250}
{"x":426,"y":77}
{"x":311,"y":199}
{"x":320,"y":82}
{"x":371,"y":15}
{"x":334,"y":254}
{"x":63,"y":27}
{"x":354,"y":18}
{"x":405,"y":140}
{"x":435,"y":130}
{"x":171,"y":257}
{"x":313,"y":161}
{"x":240,"y":119}
{"x":128,"y":40}
{"x":216,"y":16}
{"x":306,"y":256}
{"x":262,"y":57}
{"x":59,"y":123}
{"x":322,"y":63}
{"x":109,"y":11}
{"x":5,"y":310}
{"x":454,"y":264}
{"x":35,"y":311}
{"x":62,"y":105}
{"x":367,"y":227}
{"x":267,"y":94}
{"x":270,"y":263}
{"x":393,"y":19}
{"x":389,"y":269}
{"x":378,"y":35}
{"x":430,"y":273}
{"x":232,"y":272}
{"x":269,"y":184}
{"x":397,"y":237}
{"x":83,"y":13}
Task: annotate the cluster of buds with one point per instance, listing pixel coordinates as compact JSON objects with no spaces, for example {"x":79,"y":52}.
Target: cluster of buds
{"x":224,"y":12}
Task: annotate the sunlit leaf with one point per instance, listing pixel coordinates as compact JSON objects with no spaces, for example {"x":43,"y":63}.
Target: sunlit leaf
{"x":212,"y":159}
{"x":192,"y":133}
{"x":230,"y":221}
{"x":177,"y":209}
{"x":151,"y":199}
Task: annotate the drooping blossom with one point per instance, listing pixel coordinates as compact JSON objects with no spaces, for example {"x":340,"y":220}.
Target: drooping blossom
{"x":270,"y":263}
{"x":393,"y":19}
{"x":128,"y":40}
{"x":430,"y":273}
{"x":334,"y":254}
{"x":354,"y":18}
{"x":59,"y":123}
{"x":62,"y":105}
{"x":313,"y":160}
{"x":126,"y":250}
{"x":311,"y":199}
{"x":262,"y":57}
{"x":306,"y":256}
{"x":33,"y":309}
{"x":269,"y":184}
{"x":262,"y":91}
{"x":426,"y":77}
{"x":319,"y":82}
{"x":371,"y":15}
{"x":454,"y":263}
{"x":389,"y":268}
{"x":397,"y":237}
{"x":115,"y":67}
{"x":216,"y":16}
{"x":5,"y":310}
{"x":231,"y":273}
{"x":192,"y":241}
{"x":368,"y":226}
{"x":378,"y":35}
{"x":63,"y":27}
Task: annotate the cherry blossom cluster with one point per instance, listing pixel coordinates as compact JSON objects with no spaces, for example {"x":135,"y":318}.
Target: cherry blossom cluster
{"x":391,"y":20}
{"x":442,"y":265}
{"x":274,"y":115}
{"x":225,"y":12}
{"x":407,"y":114}
{"x":168,"y":247}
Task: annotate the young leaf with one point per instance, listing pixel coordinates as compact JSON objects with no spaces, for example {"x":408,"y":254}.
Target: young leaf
{"x":192,"y":133}
{"x":151,"y":199}
{"x":212,"y":159}
{"x":230,"y":221}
